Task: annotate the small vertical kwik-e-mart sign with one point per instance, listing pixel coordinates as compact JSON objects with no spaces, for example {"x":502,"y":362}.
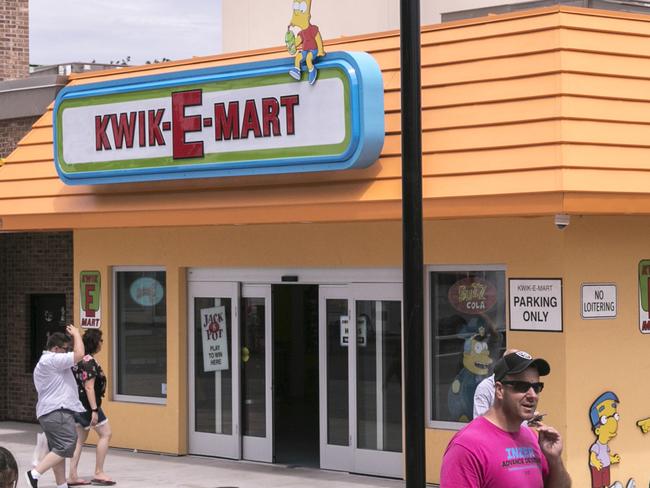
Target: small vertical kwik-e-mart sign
{"x":644,"y":296}
{"x":90,"y":288}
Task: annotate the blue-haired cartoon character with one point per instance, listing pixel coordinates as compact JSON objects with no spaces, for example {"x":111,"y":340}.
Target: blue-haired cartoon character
{"x":603,"y":415}
{"x":476,"y":367}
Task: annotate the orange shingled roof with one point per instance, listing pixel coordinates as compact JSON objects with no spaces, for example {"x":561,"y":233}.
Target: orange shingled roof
{"x":535,"y":112}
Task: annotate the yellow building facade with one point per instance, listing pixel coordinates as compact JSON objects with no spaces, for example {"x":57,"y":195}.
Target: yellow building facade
{"x":525,"y":116}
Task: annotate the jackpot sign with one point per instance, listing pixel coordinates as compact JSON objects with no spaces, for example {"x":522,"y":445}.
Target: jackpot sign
{"x":236,"y":120}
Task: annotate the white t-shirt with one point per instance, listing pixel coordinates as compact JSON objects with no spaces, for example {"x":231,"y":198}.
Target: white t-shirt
{"x":602,"y":453}
{"x":55,"y":383}
{"x":484,"y":396}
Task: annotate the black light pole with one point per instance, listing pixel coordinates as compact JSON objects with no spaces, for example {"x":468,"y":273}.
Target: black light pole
{"x":413,"y":268}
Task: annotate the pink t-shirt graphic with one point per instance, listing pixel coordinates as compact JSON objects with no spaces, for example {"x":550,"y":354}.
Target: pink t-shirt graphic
{"x":482,"y":455}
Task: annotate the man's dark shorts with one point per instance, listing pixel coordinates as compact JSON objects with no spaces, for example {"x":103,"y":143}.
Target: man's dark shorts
{"x":60,"y":431}
{"x":83,"y":418}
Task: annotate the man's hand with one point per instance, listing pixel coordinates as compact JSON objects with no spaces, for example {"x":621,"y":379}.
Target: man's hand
{"x":550,"y":442}
{"x":73,"y":331}
{"x":78,"y":345}
{"x":614,"y":459}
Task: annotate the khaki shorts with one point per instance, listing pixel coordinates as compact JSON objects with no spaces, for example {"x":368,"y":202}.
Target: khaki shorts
{"x":60,"y":431}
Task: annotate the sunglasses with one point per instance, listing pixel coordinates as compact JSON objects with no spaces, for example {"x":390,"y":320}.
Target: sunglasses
{"x":523,"y":386}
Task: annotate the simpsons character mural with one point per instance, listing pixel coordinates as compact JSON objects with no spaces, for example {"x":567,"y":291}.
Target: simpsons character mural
{"x":604,"y":418}
{"x":303,"y":41}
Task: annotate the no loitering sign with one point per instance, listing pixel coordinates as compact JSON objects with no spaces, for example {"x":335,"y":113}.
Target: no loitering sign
{"x":598,"y":301}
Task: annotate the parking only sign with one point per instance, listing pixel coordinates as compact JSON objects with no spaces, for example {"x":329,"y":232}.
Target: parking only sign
{"x":598,"y":301}
{"x":536,"y":304}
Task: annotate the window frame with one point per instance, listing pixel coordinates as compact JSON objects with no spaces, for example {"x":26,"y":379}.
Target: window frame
{"x":428,"y":334}
{"x":118,"y":397}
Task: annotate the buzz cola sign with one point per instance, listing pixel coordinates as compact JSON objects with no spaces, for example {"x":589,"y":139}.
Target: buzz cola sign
{"x":245,"y":119}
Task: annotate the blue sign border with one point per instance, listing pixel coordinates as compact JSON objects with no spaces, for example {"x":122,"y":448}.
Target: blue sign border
{"x":366,"y":108}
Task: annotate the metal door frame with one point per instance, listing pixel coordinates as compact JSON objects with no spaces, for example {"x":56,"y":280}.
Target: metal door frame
{"x":351,"y":458}
{"x":220,"y":445}
{"x":348,"y":283}
{"x":261,"y":448}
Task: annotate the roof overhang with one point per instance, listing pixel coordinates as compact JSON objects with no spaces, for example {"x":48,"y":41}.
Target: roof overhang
{"x":530,"y":113}
{"x":29,"y":97}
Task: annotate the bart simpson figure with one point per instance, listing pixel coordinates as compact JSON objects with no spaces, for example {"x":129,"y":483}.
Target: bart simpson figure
{"x":604,"y":422}
{"x":309,"y":44}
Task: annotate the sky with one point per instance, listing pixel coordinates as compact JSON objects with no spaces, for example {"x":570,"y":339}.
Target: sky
{"x":64,"y":31}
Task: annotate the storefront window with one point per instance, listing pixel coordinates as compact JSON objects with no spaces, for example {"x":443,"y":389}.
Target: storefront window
{"x":468,"y":335}
{"x":141,"y":335}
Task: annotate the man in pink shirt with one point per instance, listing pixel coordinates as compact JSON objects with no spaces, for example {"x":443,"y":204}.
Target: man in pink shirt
{"x":496,"y":450}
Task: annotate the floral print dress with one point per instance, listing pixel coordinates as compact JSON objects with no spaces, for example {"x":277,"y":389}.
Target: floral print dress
{"x":85,"y":370}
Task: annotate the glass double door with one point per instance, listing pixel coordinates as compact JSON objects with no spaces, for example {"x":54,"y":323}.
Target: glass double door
{"x":230,"y":370}
{"x":359,"y":374}
{"x":360,"y":339}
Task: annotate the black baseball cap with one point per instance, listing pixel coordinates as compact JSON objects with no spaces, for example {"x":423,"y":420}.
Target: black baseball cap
{"x":516,"y":362}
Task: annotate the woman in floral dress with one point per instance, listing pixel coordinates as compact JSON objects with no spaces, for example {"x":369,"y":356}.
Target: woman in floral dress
{"x":91,"y":382}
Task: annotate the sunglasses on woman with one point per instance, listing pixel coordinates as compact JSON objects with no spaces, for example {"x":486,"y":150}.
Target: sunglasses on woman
{"x":523,"y":386}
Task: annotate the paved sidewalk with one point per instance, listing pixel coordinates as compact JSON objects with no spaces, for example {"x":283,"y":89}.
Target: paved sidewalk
{"x":131,"y":469}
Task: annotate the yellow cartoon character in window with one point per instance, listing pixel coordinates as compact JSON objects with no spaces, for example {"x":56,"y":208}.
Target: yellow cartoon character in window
{"x":307,"y":44}
{"x":476,"y":364}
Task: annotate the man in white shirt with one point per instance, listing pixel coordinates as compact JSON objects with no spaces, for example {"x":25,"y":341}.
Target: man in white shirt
{"x":57,"y":400}
{"x":484,"y":396}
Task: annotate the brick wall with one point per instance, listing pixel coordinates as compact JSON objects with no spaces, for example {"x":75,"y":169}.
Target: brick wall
{"x":14,"y":65}
{"x":29,"y":263}
{"x":12,"y":131}
{"x":14,"y":39}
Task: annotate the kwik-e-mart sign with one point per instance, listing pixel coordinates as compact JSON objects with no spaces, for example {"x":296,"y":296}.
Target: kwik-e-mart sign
{"x":237,"y":120}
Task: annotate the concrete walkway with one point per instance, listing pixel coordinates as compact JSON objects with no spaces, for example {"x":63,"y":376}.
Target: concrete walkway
{"x":132,"y":469}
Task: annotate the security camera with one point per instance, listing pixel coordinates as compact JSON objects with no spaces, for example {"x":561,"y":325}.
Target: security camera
{"x":562,"y":221}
